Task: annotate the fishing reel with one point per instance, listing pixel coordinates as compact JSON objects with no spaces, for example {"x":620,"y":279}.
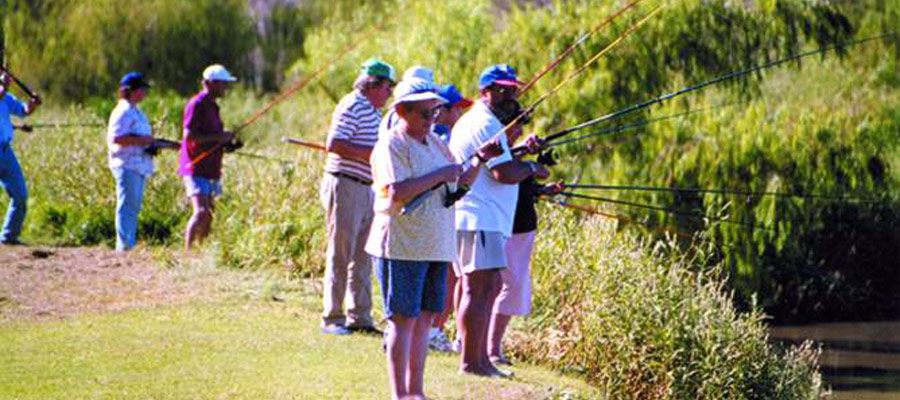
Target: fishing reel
{"x":158,"y":144}
{"x":452,"y":197}
{"x":547,"y":158}
{"x":233,"y":146}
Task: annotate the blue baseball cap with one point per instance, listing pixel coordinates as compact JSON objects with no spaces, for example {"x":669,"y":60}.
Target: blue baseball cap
{"x":500,"y":74}
{"x":133,"y":80}
{"x":453,"y":96}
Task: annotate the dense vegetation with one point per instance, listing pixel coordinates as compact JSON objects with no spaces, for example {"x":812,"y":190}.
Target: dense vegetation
{"x":828,"y":125}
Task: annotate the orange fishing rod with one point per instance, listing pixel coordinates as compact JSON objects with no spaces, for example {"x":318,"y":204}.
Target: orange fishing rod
{"x":303,"y":143}
{"x":290,"y":91}
{"x":571,"y":49}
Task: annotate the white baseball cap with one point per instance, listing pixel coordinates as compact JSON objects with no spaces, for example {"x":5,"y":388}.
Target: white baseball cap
{"x":217,"y":72}
{"x":419,"y":72}
{"x":415,"y":89}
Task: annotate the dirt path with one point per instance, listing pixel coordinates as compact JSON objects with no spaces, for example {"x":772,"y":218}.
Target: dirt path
{"x":51,"y":282}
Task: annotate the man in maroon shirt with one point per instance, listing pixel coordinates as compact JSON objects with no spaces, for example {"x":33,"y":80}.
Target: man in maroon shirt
{"x":201,"y":151}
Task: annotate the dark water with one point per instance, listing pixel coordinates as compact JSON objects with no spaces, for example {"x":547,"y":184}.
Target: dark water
{"x":860,"y":360}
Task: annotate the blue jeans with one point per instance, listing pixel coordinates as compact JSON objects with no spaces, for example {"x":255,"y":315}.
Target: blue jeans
{"x":13,"y":182}
{"x":129,"y":196}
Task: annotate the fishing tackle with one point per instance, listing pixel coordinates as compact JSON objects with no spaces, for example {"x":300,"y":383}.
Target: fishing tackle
{"x":688,"y":89}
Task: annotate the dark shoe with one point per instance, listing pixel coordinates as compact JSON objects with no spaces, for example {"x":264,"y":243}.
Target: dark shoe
{"x":365,"y":330}
{"x":12,"y":242}
{"x":337,"y":330}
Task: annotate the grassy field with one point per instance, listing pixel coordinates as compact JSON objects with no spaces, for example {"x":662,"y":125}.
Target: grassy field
{"x":240,"y":335}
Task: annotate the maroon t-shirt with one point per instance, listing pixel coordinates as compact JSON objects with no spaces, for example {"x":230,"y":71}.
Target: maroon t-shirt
{"x":201,"y":116}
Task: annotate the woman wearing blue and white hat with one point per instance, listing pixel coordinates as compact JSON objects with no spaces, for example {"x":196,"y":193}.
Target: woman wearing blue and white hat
{"x":131,"y":149}
{"x":412,"y":252}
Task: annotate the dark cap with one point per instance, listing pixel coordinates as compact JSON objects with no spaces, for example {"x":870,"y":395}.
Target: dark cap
{"x":133,"y":80}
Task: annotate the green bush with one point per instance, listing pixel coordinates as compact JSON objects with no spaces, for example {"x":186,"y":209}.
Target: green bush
{"x":641,"y":321}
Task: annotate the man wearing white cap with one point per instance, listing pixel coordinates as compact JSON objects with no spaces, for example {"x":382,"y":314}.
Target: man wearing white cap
{"x":201,"y":152}
{"x":412,"y":252}
{"x":346,"y":194}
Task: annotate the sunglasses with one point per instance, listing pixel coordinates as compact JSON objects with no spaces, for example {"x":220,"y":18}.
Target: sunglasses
{"x":505,"y":90}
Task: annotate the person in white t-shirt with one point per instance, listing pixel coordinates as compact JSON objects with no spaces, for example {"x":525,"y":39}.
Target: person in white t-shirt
{"x":131,"y":149}
{"x":484,"y":217}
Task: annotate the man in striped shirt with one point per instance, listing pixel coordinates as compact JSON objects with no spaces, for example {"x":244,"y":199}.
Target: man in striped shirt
{"x":347,"y":196}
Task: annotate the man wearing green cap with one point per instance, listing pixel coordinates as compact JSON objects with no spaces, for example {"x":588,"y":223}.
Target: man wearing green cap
{"x":347,"y":196}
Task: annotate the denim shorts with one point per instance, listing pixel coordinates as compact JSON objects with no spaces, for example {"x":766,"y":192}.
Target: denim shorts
{"x":409,"y":287}
{"x":195,"y":185}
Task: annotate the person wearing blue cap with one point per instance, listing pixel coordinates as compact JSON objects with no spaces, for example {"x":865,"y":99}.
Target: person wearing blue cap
{"x":347,"y":197}
{"x":11,"y":177}
{"x":484,"y":217}
{"x":131,"y":149}
{"x":412,"y":251}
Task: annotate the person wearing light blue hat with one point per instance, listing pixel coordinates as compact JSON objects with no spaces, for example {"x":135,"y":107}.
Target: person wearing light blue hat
{"x":412,"y":251}
{"x":11,"y":177}
{"x":131,"y":149}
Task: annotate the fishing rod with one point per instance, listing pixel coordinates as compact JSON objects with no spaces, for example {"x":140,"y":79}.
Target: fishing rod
{"x":688,"y":89}
{"x":666,"y":210}
{"x":620,"y":218}
{"x":21,"y":85}
{"x":260,"y":157}
{"x":303,"y":143}
{"x":571,"y":49}
{"x":620,"y":128}
{"x":719,"y":191}
{"x":32,"y":127}
{"x":420,"y":199}
{"x":290,"y":91}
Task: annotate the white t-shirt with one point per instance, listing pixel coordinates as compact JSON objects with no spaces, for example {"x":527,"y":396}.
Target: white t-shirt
{"x":489,"y":205}
{"x":127,"y":119}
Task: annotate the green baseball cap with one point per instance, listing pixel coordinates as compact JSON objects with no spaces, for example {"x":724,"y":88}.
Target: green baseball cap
{"x":374,"y":67}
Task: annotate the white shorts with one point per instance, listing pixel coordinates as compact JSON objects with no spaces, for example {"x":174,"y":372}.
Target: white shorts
{"x":479,"y":251}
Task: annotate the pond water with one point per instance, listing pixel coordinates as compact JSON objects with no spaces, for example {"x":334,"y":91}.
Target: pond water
{"x":860,"y":360}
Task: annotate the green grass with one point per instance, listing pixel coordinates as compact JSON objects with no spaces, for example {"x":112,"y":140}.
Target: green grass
{"x":236,"y":347}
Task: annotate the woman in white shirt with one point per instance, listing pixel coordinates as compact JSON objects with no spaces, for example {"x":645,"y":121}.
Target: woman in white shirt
{"x":131,"y":149}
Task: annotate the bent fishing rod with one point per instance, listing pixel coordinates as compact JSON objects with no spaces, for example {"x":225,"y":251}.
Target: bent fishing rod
{"x":290,"y":91}
{"x":718,"y":191}
{"x":420,"y":199}
{"x":32,"y":127}
{"x":729,"y":76}
{"x":667,"y":210}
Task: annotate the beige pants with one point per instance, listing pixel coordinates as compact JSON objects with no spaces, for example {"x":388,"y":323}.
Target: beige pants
{"x":348,"y":214}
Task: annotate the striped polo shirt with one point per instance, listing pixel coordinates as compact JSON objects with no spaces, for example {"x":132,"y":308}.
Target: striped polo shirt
{"x":354,"y":120}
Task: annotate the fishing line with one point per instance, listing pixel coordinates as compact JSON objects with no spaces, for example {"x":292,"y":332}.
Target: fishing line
{"x":667,"y":210}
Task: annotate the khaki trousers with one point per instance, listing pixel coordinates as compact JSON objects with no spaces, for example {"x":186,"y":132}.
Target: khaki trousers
{"x":348,"y":214}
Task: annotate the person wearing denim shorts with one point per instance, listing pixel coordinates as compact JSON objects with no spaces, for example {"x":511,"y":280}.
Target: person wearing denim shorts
{"x":129,"y":137}
{"x":412,"y":251}
{"x":202,"y":148}
{"x":11,"y":177}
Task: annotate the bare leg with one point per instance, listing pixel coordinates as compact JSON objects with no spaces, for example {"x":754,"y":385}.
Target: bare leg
{"x":451,"y":300}
{"x":479,"y":290}
{"x":198,"y":225}
{"x":418,"y":350}
{"x":499,"y":322}
{"x":398,"y":350}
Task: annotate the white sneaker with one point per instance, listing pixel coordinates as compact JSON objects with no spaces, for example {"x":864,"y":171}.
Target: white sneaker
{"x":441,"y":343}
